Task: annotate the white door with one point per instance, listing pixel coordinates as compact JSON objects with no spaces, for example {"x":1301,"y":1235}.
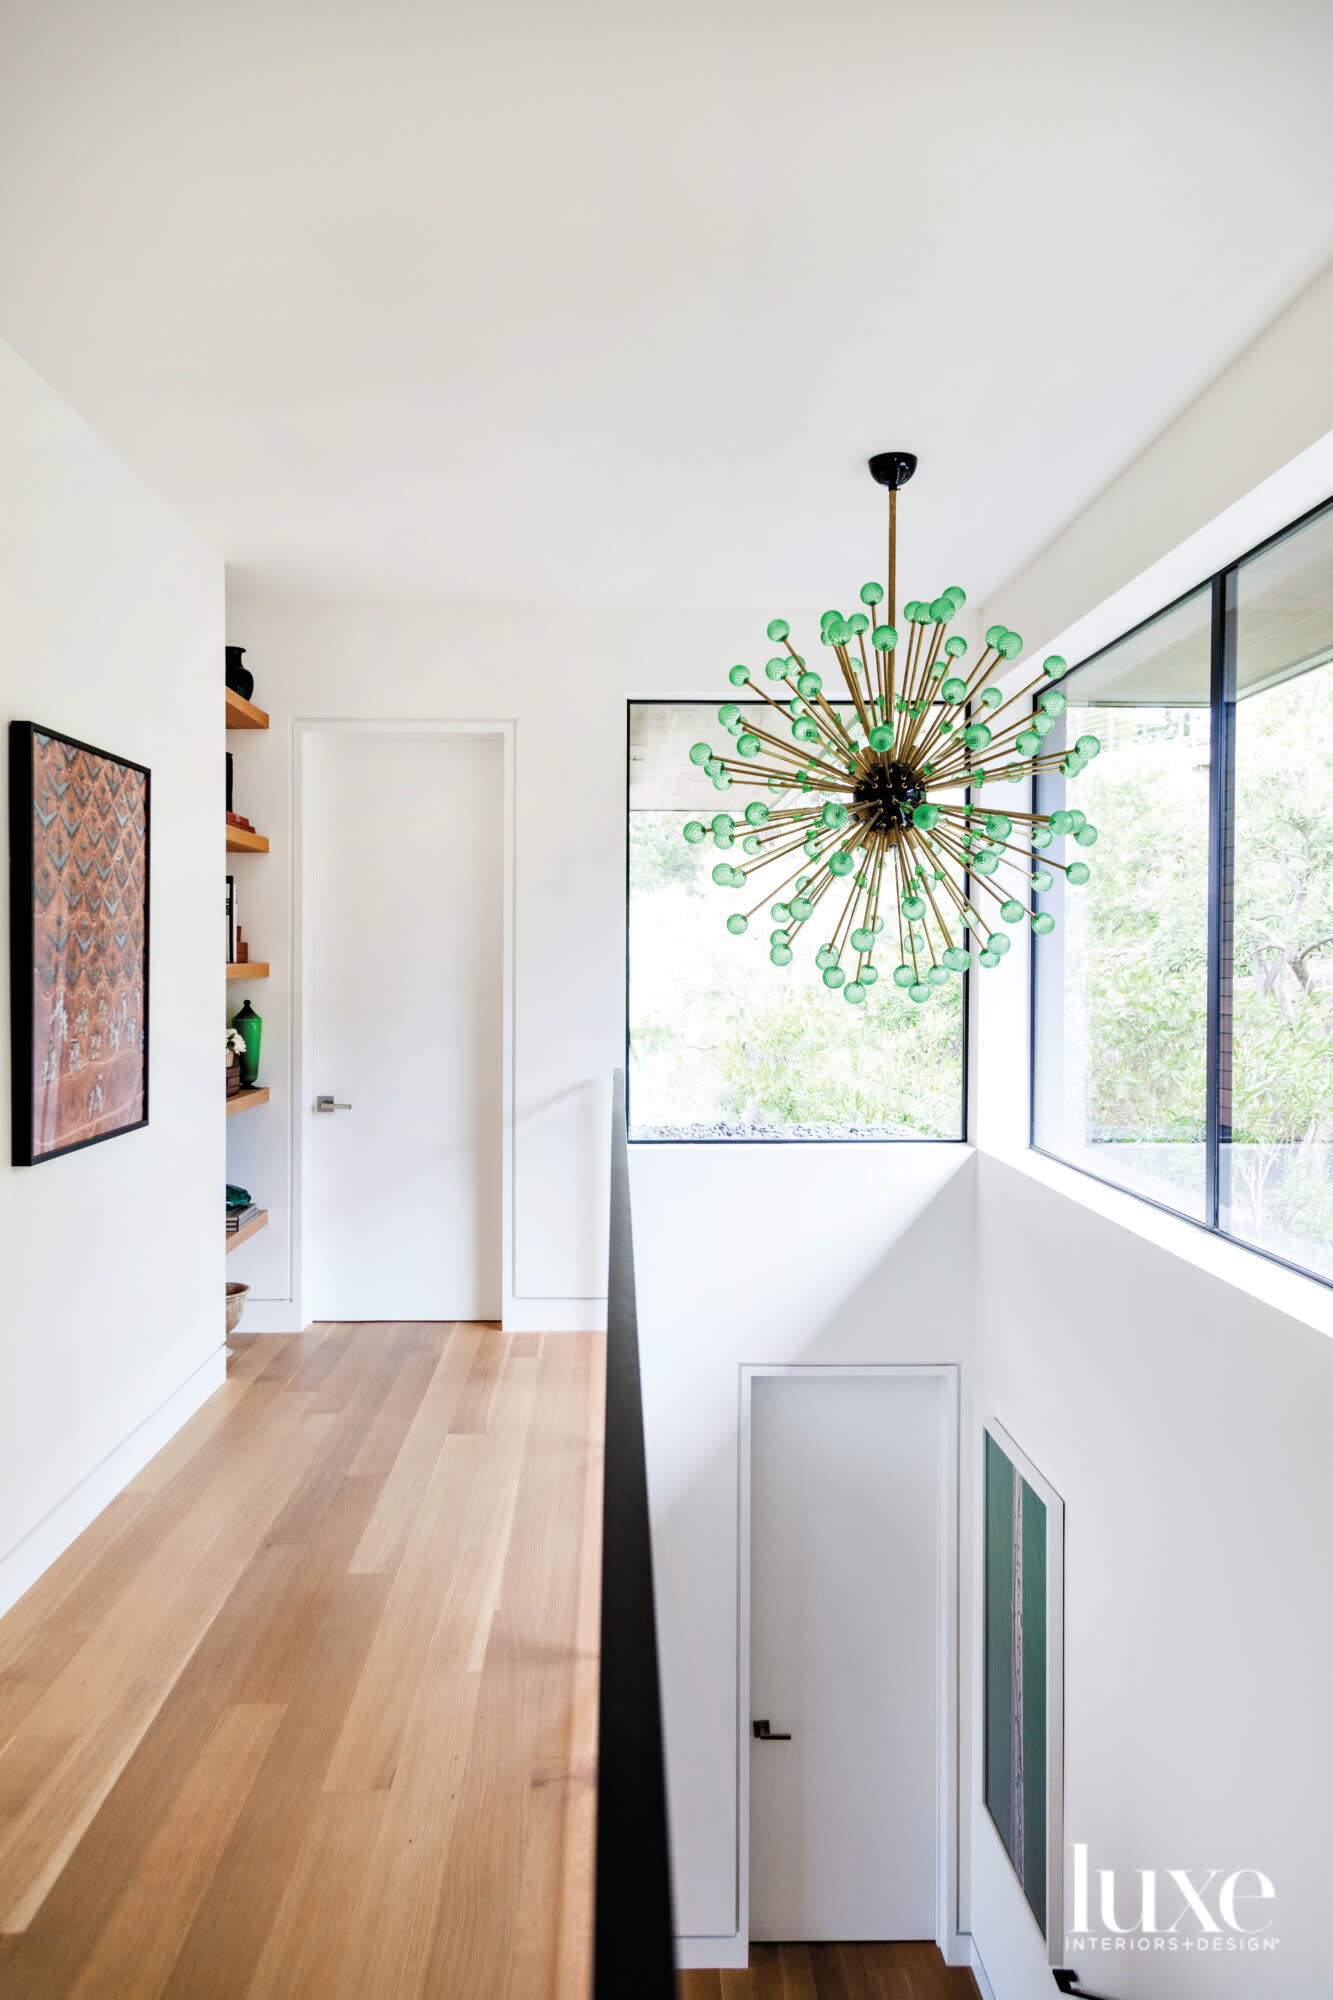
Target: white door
{"x":403,"y":843}
{"x":844,"y":1583}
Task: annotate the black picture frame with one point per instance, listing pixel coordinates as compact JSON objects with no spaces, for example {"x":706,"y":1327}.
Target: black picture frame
{"x":60,"y":958}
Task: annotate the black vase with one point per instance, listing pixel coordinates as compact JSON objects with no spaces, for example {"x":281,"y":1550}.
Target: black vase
{"x":239,"y":678}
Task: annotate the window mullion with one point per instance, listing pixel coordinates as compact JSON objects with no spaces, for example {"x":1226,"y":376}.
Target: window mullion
{"x":1221,"y":889}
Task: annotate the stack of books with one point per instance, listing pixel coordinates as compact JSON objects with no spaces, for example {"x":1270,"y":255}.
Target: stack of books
{"x":238,"y":1217}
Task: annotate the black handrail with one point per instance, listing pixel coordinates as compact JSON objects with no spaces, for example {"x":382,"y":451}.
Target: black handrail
{"x":633,"y":1957}
{"x":1069,"y":1982}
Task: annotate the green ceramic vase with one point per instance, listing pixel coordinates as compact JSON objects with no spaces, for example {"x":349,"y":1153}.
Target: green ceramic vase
{"x":250,"y":1027}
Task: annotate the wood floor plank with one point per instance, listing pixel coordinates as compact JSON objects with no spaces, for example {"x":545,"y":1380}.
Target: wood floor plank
{"x":700,"y":1985}
{"x":183,"y":1685}
{"x":798,"y":1973}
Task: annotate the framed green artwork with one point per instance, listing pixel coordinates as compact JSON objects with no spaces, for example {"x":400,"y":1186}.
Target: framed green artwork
{"x":1023,"y":1720}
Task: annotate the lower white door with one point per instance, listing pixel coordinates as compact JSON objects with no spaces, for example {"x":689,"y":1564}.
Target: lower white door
{"x":404,"y":892}
{"x":844,"y":1595}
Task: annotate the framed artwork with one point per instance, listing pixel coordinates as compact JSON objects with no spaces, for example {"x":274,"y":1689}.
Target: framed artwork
{"x":78,"y":878}
{"x":1023,"y":1681}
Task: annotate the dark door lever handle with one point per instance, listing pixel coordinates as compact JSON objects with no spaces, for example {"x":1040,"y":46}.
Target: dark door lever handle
{"x":766,"y":1735}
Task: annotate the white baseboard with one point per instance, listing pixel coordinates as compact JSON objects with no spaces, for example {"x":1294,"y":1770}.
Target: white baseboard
{"x":555,"y":1316}
{"x":701,"y":1954}
{"x":271,"y":1316}
{"x":967,"y":1954}
{"x":38,"y":1549}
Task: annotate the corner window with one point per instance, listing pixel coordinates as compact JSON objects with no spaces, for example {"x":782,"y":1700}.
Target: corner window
{"x":724,"y":1045}
{"x":1183,"y":1005}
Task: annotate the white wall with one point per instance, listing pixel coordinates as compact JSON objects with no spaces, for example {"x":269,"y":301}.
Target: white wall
{"x":1175,"y":1389}
{"x":111,"y":1315}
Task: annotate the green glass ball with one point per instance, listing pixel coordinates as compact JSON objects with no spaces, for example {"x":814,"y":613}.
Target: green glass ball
{"x":699,"y":753}
{"x":903,"y":975}
{"x":825,"y":956}
{"x":722,"y":823}
{"x":752,"y":843}
{"x":736,"y":923}
{"x":1010,"y":646}
{"x":804,"y":730}
{"x":1062,"y":823}
{"x":808,"y":684}
{"x":925,"y":815}
{"x":778,"y":628}
{"x":780,"y":913}
{"x":1043,"y":724}
{"x":954,"y":689}
{"x":994,"y":634}
{"x":955,"y":958}
{"x":1053,"y":665}
{"x":1088,"y":746}
{"x":834,"y":815}
{"x":713,"y":768}
{"x":834,"y":976}
{"x":990,"y":697}
{"x":739,"y":676}
{"x":858,"y":623}
{"x":694,"y":831}
{"x":1043,"y":924}
{"x":780,"y":955}
{"x":756,"y":812}
{"x":914,"y":908}
{"x":1028,"y":743}
{"x":941,"y":611}
{"x":976,"y":736}
{"x":827,"y":618}
{"x":778,"y":669}
{"x":872,"y":593}
{"x":988,"y":959}
{"x":1012,"y":911}
{"x":884,"y":638}
{"x":722,"y":782}
{"x":869,"y":974}
{"x":723,"y":839}
{"x":728,"y":713}
{"x":955,"y":647}
{"x":802,"y":908}
{"x":1043,"y":881}
{"x":854,"y":992}
{"x":722,"y":874}
{"x":1053,"y":702}
{"x":749,"y":746}
{"x":918,"y":993}
{"x":811,"y":846}
{"x":1077,"y":873}
{"x":958,"y":594}
{"x":1086,"y":836}
{"x":841,"y":863}
{"x":998,"y":943}
{"x":999,"y":826}
{"x":937,"y":976}
{"x":862,"y":939}
{"x":984,"y":862}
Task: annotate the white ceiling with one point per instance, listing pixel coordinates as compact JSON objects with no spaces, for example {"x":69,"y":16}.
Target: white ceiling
{"x":607,"y":303}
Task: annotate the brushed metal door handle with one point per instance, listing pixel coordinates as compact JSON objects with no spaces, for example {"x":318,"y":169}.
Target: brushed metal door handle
{"x":327,"y":1104}
{"x":763,"y":1734}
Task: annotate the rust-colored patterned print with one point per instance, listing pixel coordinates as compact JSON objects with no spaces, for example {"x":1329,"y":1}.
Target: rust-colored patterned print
{"x":90,"y":897}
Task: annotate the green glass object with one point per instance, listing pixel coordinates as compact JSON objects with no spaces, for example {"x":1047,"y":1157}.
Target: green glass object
{"x":881,"y":737}
{"x":884,"y":638}
{"x":914,"y":908}
{"x":778,"y":628}
{"x":1088,"y":746}
{"x":858,"y":623}
{"x":1062,"y":823}
{"x":872,"y":593}
{"x":958,"y":594}
{"x":954,"y":689}
{"x":862,"y":939}
{"x":802,"y":908}
{"x":756,"y":812}
{"x":1077,"y":873}
{"x":808,"y":684}
{"x":994,"y":634}
{"x":903,"y":975}
{"x":1028,"y":743}
{"x":825,"y":957}
{"x":841,"y":863}
{"x":811,"y":846}
{"x":1043,"y":924}
{"x":1042,"y":881}
{"x":699,"y":753}
{"x":998,"y":942}
{"x":990,"y":697}
{"x":937,"y":976}
{"x":1043,"y":724}
{"x":722,"y":783}
{"x":804,"y":730}
{"x":736,"y":923}
{"x":728,"y":714}
{"x":827,"y":618}
{"x":749,"y":746}
{"x":955,"y":647}
{"x":854,"y":992}
{"x":752,"y":843}
{"x":724,"y":841}
{"x":918,"y":993}
{"x":1086,"y":836}
{"x":777,"y":669}
{"x":834,"y":976}
{"x":1053,"y":665}
{"x":1053,"y":702}
{"x":1078,"y":818}
{"x":722,"y":874}
{"x":941,"y":611}
{"x":713,"y":768}
{"x":925,"y":815}
{"x":250,"y":1026}
{"x":722,"y":823}
{"x":695,"y":831}
{"x":739,"y":676}
{"x":984,"y":862}
{"x":976,"y":736}
{"x":956,"y":958}
{"x":999,"y":825}
{"x":1012,"y":911}
{"x":1010,"y":646}
{"x":834,"y":815}
{"x":988,"y":959}
{"x":780,"y":955}
{"x":869,"y":974}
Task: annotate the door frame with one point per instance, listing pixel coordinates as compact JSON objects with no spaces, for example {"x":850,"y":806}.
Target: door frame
{"x":304,"y":733}
{"x":946,"y":1735}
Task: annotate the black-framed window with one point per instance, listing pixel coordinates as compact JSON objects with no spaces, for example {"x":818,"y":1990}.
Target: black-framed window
{"x":723,"y":1045}
{"x":1183,"y":1005}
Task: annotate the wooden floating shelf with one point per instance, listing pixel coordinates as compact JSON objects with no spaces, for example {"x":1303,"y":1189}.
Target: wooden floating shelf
{"x":256,"y":1223}
{"x":250,"y":968}
{"x":246,"y":1100}
{"x":242,"y":714}
{"x":241,"y":842}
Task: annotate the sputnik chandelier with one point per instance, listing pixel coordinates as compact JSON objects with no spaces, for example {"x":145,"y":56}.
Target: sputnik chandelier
{"x":875,"y":807}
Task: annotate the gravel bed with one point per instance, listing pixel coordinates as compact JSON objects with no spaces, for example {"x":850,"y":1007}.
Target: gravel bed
{"x":687,"y":1134}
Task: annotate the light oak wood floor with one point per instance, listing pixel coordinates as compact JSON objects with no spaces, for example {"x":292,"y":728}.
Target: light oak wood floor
{"x":310,"y":1710}
{"x":835,"y":1972}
